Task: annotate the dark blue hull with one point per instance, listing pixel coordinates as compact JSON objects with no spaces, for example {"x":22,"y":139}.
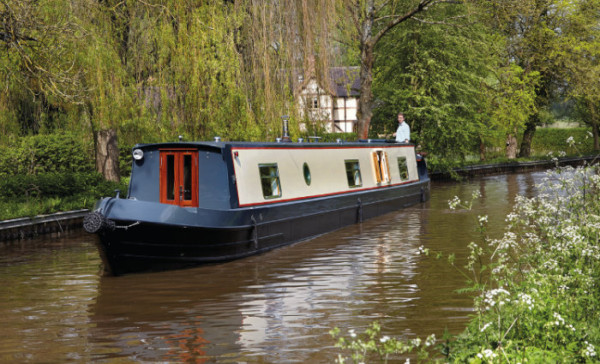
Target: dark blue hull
{"x":152,"y":236}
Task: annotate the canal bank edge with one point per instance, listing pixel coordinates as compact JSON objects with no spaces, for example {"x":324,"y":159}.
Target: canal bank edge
{"x":510,"y":167}
{"x":62,"y":222}
{"x":31,"y":227}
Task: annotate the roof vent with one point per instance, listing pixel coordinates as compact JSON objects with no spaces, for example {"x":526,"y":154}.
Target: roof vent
{"x":217,"y":139}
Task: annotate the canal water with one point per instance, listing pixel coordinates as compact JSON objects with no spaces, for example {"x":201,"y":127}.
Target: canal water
{"x":56,"y":306}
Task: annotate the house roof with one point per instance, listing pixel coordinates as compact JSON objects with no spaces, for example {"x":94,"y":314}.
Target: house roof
{"x":345,"y":81}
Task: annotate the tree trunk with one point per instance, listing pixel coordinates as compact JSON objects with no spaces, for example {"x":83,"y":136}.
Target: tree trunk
{"x":481,"y":149}
{"x":528,"y":137}
{"x":511,"y":146}
{"x":367,"y":59}
{"x":365,"y":112}
{"x":595,"y":133}
{"x":107,"y":155}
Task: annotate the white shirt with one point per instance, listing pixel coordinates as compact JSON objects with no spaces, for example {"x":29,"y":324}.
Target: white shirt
{"x":403,"y":132}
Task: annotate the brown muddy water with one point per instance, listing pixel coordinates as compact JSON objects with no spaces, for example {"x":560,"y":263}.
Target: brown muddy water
{"x":56,"y":306}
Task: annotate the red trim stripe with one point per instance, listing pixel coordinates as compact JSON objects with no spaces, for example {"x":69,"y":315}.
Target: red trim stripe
{"x":325,"y":195}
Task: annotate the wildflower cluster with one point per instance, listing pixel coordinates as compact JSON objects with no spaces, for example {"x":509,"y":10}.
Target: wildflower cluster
{"x":371,"y":345}
{"x":541,"y":296}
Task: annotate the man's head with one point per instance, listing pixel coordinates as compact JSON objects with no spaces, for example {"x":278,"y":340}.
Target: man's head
{"x":400,"y":118}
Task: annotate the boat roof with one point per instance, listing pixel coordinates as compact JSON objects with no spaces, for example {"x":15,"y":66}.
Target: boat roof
{"x":279,"y":144}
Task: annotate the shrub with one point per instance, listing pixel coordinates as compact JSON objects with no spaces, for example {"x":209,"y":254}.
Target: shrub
{"x":64,"y":152}
{"x":45,"y":185}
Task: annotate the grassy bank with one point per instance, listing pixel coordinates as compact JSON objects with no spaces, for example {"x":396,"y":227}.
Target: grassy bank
{"x":537,"y":289}
{"x":549,"y":143}
{"x":44,"y":193}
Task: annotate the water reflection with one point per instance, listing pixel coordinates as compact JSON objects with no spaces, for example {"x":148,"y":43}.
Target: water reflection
{"x":276,"y":307}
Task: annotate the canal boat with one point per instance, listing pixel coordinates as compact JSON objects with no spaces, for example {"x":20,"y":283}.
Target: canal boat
{"x":193,"y":203}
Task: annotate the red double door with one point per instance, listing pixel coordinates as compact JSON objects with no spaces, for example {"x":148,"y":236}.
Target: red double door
{"x":179,"y":177}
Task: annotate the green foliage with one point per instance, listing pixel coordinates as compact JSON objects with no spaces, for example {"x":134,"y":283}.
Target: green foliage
{"x":331,"y":137}
{"x":555,"y":141}
{"x":30,"y":195}
{"x":511,"y":98}
{"x":46,"y":185}
{"x":61,"y":152}
{"x":433,"y":74}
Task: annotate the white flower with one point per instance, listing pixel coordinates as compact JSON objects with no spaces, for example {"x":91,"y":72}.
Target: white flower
{"x":571,"y":141}
{"x":590,"y":350}
{"x":416,"y":342}
{"x":485,"y":327}
{"x":487,"y":354}
{"x":430,"y":340}
{"x":526,"y":300}
{"x":352,"y":333}
{"x":384,"y":339}
{"x":559,"y":320}
{"x":452,"y":204}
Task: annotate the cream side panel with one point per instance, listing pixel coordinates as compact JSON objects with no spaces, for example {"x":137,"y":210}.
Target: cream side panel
{"x":411,"y":162}
{"x":327,"y":168}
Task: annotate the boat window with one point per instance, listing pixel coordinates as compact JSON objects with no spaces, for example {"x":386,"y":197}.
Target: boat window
{"x":353,"y":173}
{"x":269,"y":178}
{"x":307,"y":177}
{"x":403,"y":168}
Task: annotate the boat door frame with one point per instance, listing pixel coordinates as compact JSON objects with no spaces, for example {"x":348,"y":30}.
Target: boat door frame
{"x":179,"y":182}
{"x":381,"y":167}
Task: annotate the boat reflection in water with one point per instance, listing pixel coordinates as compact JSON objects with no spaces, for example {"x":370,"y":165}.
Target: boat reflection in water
{"x":287,"y":299}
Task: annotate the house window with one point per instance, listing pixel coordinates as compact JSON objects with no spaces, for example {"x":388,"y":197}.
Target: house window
{"x":314,"y":102}
{"x":403,"y":168}
{"x":353,"y":173}
{"x":269,"y":179}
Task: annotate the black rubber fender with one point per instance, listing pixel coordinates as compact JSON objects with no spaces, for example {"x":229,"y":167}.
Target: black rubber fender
{"x":95,"y":222}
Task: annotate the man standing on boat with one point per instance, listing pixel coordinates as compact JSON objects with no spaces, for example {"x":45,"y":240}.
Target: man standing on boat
{"x":402,"y":134}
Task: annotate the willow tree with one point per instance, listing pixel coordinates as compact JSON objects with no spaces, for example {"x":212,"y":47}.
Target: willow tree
{"x":38,"y":68}
{"x":108,"y":88}
{"x":280,"y":42}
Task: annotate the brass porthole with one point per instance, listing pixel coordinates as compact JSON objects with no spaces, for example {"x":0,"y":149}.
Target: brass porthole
{"x":307,"y":177}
